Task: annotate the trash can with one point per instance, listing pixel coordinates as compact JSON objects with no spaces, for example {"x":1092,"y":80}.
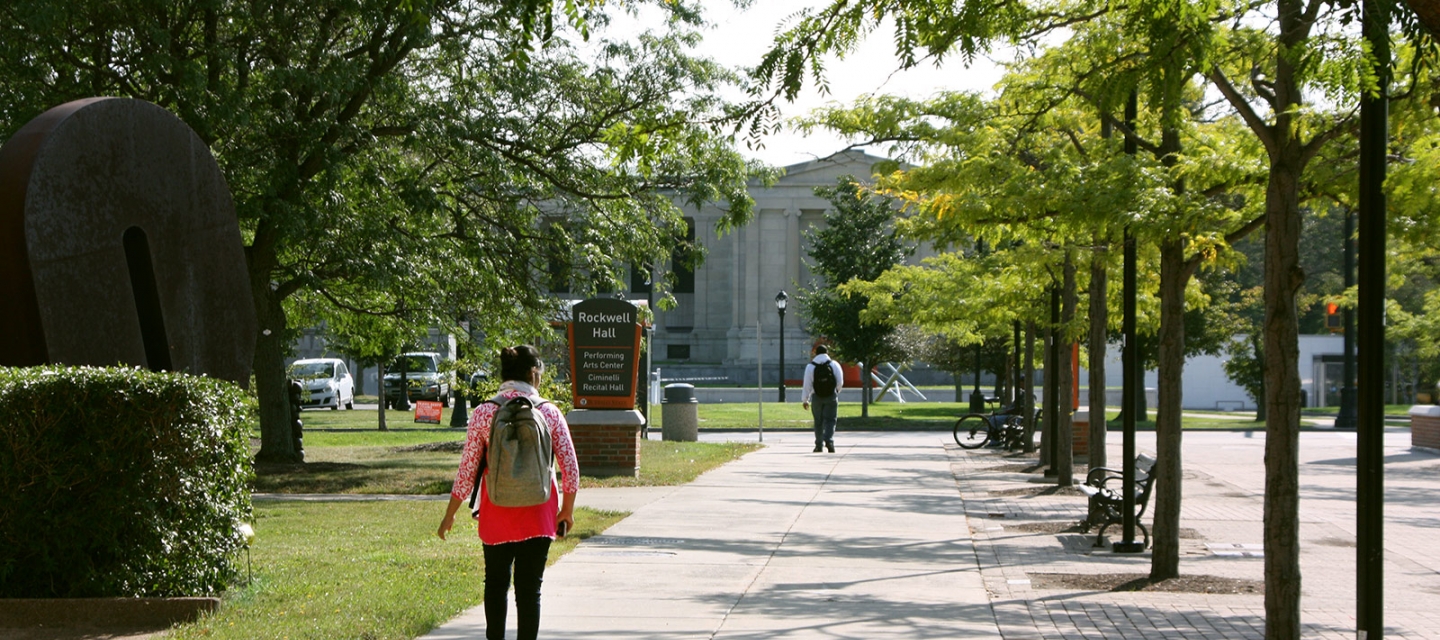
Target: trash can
{"x":680,"y":413}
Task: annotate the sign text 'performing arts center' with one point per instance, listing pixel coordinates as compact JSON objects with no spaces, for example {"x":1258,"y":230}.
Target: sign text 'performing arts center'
{"x":604,"y":353}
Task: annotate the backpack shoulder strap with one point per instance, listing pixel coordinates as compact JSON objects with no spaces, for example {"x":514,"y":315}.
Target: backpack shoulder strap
{"x":480,"y":467}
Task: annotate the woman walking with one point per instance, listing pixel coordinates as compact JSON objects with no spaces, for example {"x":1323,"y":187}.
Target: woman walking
{"x":517,"y":537}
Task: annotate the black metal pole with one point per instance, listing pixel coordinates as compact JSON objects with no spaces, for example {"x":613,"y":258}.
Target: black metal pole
{"x":1130,"y":372}
{"x":1346,"y":419}
{"x":1370,"y":436}
{"x":782,"y":355}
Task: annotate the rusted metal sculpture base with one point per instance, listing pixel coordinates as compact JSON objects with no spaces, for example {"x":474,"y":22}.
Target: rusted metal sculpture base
{"x":119,"y":245}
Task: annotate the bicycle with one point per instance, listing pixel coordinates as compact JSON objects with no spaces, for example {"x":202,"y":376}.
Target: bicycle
{"x":1005,"y":429}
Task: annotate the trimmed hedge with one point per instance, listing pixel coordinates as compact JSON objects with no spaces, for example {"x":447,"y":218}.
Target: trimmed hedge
{"x":120,"y":482}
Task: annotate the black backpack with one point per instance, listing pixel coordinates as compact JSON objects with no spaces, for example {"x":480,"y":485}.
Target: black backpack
{"x":824,"y":380}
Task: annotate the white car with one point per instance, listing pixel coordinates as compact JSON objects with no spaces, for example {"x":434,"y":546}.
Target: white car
{"x":326,"y":382}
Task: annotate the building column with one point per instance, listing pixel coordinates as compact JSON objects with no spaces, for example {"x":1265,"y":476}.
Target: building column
{"x":701,"y":317}
{"x":792,"y":282}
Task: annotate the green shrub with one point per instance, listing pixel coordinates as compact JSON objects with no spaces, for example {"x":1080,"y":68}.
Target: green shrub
{"x":120,"y":482}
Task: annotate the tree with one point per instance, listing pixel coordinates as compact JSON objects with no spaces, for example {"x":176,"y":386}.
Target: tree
{"x":1285,"y":50}
{"x":418,"y":147}
{"x":373,"y":339}
{"x":859,"y":242}
{"x":1012,"y":188}
{"x":1108,"y":56}
{"x":959,"y":359}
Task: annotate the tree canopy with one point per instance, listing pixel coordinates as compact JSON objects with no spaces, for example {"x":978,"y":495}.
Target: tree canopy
{"x":416,"y":158}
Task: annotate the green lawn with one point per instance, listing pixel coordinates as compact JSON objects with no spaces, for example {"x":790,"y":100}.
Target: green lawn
{"x":738,"y":416}
{"x":373,"y":570}
{"x":791,"y":416}
{"x":1199,"y":421}
{"x":1390,"y":409}
{"x":673,"y":463}
{"x":912,"y":416}
{"x":374,"y":463}
{"x":368,"y":419}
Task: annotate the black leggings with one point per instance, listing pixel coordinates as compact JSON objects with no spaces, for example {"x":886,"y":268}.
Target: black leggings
{"x":528,"y":557}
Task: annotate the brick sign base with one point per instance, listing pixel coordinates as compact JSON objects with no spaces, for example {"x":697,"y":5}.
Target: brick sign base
{"x":1080,"y":432}
{"x":1425,"y":426}
{"x":607,"y":442}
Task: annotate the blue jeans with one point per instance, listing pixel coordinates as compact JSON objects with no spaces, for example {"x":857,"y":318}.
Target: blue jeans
{"x":824,"y":410}
{"x":528,"y":559}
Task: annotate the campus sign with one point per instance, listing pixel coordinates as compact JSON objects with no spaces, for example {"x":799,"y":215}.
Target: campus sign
{"x":604,"y":353}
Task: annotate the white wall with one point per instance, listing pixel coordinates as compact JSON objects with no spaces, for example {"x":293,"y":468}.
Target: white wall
{"x":1207,"y":387}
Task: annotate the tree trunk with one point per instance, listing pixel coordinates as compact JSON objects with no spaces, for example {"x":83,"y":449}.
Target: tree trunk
{"x":1257,"y":349}
{"x":1142,"y":401}
{"x":1283,"y":279}
{"x":865,"y":389}
{"x":277,"y":443}
{"x":1174,"y":274}
{"x":1065,"y":431}
{"x":1047,"y":379}
{"x":1429,"y":13}
{"x":1001,"y":385}
{"x":380,"y":369}
{"x":1099,"y":321}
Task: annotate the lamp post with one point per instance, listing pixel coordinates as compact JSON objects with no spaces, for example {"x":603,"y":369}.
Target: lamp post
{"x":781,"y":301}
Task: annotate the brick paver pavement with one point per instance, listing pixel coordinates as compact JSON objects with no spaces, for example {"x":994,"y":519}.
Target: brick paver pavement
{"x":1014,"y":515}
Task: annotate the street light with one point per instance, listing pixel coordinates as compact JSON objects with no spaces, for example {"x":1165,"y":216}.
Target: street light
{"x":781,"y":300}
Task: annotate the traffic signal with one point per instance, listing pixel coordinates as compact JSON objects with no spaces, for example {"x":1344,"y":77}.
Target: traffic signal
{"x":1333,"y":321}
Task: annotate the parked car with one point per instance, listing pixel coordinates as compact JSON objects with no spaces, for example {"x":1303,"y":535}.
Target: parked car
{"x":476,"y":381}
{"x":422,"y":372}
{"x":325,"y":382}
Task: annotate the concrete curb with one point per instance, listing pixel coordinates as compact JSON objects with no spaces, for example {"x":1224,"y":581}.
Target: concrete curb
{"x":102,"y":613}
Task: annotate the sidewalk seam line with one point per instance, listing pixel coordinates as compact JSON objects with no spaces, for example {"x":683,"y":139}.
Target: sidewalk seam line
{"x":725,"y":618}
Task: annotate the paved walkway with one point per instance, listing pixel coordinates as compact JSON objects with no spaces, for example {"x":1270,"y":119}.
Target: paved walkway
{"x":901,"y":535}
{"x":868,"y":542}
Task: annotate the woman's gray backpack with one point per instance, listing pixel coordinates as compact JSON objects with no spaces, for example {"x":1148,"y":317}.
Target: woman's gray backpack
{"x":520,"y":457}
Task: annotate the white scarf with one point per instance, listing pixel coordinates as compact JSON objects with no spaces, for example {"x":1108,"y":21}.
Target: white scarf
{"x":522,"y":387}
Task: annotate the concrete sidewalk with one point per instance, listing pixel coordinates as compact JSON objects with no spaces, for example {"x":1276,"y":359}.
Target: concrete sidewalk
{"x":868,"y":542}
{"x":904,"y":535}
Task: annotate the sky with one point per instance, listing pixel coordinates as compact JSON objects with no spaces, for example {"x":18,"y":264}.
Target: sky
{"x":740,"y":37}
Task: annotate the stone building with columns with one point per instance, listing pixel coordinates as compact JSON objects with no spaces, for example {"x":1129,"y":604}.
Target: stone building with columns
{"x":712,"y":332}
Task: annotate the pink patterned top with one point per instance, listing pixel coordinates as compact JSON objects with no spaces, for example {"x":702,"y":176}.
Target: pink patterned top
{"x":499,"y":525}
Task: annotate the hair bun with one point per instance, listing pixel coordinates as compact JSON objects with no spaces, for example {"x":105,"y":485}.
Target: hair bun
{"x":509,"y":352}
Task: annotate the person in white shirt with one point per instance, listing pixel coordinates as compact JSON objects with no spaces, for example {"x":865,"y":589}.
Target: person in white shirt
{"x":821,"y":395}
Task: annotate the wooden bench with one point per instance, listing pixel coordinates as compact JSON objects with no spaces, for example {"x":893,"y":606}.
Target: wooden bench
{"x":1103,"y":487}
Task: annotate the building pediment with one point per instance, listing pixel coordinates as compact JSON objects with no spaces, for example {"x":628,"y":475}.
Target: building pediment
{"x":824,"y":171}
